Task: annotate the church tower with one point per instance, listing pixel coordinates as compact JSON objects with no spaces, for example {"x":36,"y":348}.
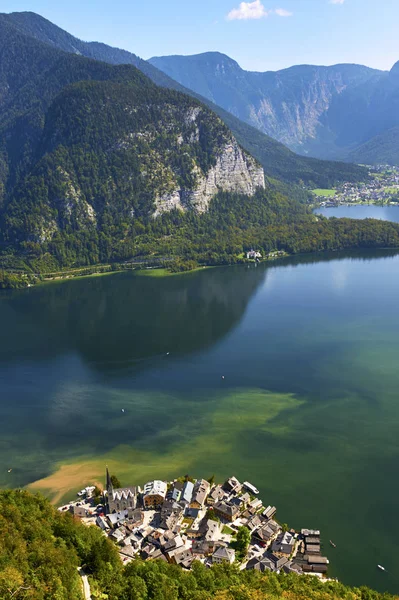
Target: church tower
{"x":109,"y":487}
{"x":120,"y":499}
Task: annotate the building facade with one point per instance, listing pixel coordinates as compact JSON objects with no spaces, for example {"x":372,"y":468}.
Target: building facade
{"x":121,"y":498}
{"x":154,"y":494}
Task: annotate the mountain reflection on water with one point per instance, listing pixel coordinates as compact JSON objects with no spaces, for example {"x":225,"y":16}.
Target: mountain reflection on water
{"x":307,"y":407}
{"x":120,"y":319}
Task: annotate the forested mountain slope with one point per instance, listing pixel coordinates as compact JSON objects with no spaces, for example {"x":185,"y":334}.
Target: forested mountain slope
{"x":277,"y":161}
{"x":87,"y":147}
{"x":326,"y":112}
{"x":382,"y":148}
{"x":41,"y":548}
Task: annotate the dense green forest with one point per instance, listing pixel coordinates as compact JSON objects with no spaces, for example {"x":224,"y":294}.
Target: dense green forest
{"x":382,"y":148}
{"x":233,"y":224}
{"x":41,"y":550}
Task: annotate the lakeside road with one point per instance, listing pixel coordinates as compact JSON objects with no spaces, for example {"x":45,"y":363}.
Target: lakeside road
{"x":85,"y":583}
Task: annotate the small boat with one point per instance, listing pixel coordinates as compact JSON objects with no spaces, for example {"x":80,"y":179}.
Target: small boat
{"x":222,"y":376}
{"x":9,"y":470}
{"x":381,"y":567}
{"x":167,"y":354}
{"x":123,"y":410}
{"x":332,"y":544}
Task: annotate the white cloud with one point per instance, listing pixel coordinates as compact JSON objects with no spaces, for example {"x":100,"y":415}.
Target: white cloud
{"x":337,"y":1}
{"x":256,"y":10}
{"x":248,"y":10}
{"x":281,"y":12}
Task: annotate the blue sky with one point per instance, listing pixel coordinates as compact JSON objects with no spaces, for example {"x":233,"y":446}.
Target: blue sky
{"x":260,"y":34}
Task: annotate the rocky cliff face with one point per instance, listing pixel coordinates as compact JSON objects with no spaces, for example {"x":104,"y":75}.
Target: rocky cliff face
{"x":113,"y":155}
{"x":292,"y":105}
{"x":235,"y":171}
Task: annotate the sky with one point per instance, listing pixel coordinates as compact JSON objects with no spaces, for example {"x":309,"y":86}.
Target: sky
{"x":260,"y":35}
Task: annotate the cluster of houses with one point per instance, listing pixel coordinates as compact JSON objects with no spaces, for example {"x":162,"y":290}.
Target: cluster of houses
{"x":384,"y":187}
{"x":186,"y":520}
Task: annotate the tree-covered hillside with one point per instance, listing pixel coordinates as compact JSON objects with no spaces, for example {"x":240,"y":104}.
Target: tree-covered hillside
{"x":41,"y":549}
{"x":277,"y":160}
{"x":107,"y":152}
{"x":90,"y":149}
{"x":382,"y":148}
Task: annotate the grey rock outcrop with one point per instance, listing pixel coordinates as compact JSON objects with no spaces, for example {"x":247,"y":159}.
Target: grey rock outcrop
{"x":235,"y":171}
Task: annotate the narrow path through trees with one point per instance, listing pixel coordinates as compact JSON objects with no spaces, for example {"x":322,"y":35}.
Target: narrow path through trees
{"x":86,"y":585}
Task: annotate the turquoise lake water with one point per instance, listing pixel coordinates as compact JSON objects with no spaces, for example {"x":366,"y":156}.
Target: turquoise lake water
{"x":385,"y":213}
{"x":308,"y":409}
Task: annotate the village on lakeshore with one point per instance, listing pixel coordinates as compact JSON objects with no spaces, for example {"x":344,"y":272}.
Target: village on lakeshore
{"x":186,"y":520}
{"x":382,"y":188}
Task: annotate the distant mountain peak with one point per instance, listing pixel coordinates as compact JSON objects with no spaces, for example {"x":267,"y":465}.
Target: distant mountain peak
{"x":395,"y":69}
{"x":321,"y":111}
{"x":205,"y":59}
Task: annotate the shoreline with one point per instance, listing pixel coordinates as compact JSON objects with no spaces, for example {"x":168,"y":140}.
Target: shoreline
{"x":155,"y":272}
{"x":315,"y":206}
{"x":160,"y":272}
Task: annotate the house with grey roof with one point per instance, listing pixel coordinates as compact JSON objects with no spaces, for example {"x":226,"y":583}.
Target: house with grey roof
{"x":117,"y":518}
{"x":102,"y":523}
{"x":292,"y":567}
{"x":118,"y":535}
{"x":79,"y":511}
{"x":269,"y":512}
{"x":226,"y":511}
{"x":217,"y":493}
{"x":148,"y":551}
{"x":232,"y":486}
{"x":184,"y":559}
{"x":263,"y":534}
{"x":202,"y":548}
{"x":261,"y":563}
{"x":274,"y":526}
{"x":200,"y":493}
{"x":283,"y":544}
{"x":170,"y":514}
{"x":211,"y":530}
{"x":222,"y":555}
{"x":279,"y":561}
{"x":255,"y":522}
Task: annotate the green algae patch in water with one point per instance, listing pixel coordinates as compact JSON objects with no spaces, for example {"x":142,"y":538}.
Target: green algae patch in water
{"x":198,"y":445}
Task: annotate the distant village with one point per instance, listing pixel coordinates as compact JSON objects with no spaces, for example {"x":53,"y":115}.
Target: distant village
{"x":382,"y":188}
{"x":186,"y":520}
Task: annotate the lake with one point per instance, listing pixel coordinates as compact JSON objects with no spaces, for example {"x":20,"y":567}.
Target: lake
{"x":308,"y":409}
{"x":361,"y":211}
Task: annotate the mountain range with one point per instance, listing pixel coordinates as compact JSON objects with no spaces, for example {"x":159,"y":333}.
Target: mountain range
{"x":276,"y":159}
{"x":103,"y":157}
{"x":346,"y":111}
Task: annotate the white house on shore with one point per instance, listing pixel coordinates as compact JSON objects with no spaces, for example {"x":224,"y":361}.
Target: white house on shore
{"x":253,"y":254}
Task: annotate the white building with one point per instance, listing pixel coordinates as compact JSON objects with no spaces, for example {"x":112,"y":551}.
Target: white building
{"x":154,"y":493}
{"x":253,"y":254}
